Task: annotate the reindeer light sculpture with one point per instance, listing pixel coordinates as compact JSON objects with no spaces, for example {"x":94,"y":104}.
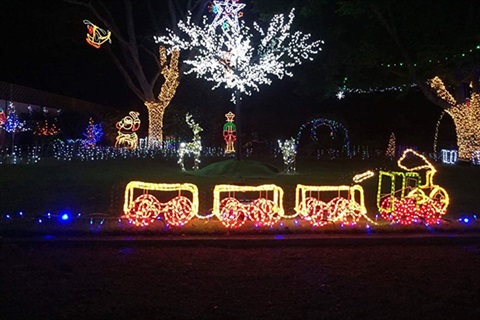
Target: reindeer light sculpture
{"x":194,"y":147}
{"x":130,"y":124}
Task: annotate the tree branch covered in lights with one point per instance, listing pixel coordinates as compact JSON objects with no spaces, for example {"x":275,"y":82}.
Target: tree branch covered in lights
{"x":231,"y":56}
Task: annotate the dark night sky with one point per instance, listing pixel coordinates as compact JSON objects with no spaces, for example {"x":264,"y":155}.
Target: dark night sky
{"x":44,"y":48}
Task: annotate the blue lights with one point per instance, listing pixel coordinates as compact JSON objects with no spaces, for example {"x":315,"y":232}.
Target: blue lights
{"x":65,"y":217}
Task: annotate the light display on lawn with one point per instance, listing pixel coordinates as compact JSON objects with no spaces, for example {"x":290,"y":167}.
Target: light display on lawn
{"x":289,"y":153}
{"x":233,"y":212}
{"x":228,"y":56}
{"x":127,"y":137}
{"x":334,"y":126}
{"x":144,"y":209}
{"x":449,"y":156}
{"x":13,"y":124}
{"x":466,"y":117}
{"x":46,"y":129}
{"x":194,"y":147}
{"x":345,"y":204}
{"x":229,"y":133}
{"x":390,"y":153}
{"x":93,"y":134}
{"x":96,"y":36}
{"x":414,"y":201}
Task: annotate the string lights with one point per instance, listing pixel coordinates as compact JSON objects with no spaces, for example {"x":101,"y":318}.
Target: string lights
{"x":156,"y":109}
{"x":228,"y":57}
{"x":232,"y":213}
{"x":46,"y":129}
{"x":194,"y":147}
{"x":289,"y":152}
{"x":93,"y":134}
{"x":414,"y":201}
{"x":127,"y":137}
{"x":229,"y":133}
{"x":390,"y":152}
{"x":449,"y":156}
{"x":346,"y":204}
{"x":144,"y":209}
{"x":334,"y":126}
{"x":96,"y":36}
{"x":466,"y":117}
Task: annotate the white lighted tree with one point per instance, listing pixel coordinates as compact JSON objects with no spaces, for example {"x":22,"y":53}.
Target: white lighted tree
{"x":227,"y":53}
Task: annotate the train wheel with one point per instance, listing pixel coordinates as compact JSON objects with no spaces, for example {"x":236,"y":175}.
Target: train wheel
{"x":232,"y":213}
{"x":418,"y":195}
{"x":178,"y":211}
{"x":317,"y":212}
{"x":387,"y":207}
{"x":263,"y":212}
{"x":406,"y":211}
{"x":143,"y":210}
{"x":439,"y":195}
{"x":338,"y":209}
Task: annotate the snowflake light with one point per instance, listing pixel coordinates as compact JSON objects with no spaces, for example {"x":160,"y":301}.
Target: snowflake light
{"x":96,"y":36}
{"x":226,"y":13}
{"x":194,"y":147}
{"x":229,"y":56}
{"x":127,"y":136}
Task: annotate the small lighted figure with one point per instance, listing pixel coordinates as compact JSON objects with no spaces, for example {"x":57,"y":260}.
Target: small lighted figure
{"x":229,"y":133}
{"x":127,"y":137}
{"x":194,"y":147}
{"x":289,"y":152}
{"x":96,"y":36}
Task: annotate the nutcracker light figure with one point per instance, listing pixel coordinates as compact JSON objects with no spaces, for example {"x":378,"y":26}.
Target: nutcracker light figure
{"x":229,"y":133}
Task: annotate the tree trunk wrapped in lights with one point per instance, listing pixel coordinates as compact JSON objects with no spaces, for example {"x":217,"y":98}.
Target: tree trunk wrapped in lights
{"x":156,"y":109}
{"x":466,"y":117}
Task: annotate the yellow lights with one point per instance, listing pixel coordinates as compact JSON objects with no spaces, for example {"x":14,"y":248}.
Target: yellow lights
{"x":424,"y":165}
{"x":126,"y":131}
{"x":390,"y":153}
{"x":156,"y":109}
{"x":466,"y":117}
{"x":363,"y":176}
{"x":345,"y":205}
{"x":96,"y":36}
{"x":414,"y":201}
{"x":234,"y":210}
{"x":146,"y":207}
{"x":229,"y":133}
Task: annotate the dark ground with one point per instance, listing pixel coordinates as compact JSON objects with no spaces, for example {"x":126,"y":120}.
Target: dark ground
{"x":112,"y":280}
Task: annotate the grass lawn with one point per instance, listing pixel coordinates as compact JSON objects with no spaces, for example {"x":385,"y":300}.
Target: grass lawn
{"x":98,"y":187}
